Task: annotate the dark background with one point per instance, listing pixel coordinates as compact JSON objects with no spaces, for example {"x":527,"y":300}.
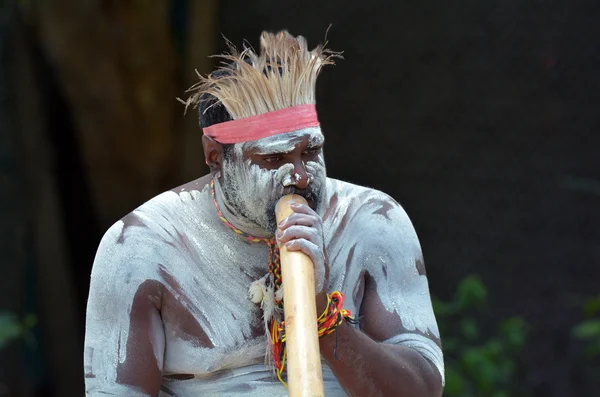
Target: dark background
{"x":480,"y":117}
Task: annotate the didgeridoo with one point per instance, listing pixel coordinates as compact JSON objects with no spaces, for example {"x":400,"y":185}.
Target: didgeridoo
{"x":304,"y":375}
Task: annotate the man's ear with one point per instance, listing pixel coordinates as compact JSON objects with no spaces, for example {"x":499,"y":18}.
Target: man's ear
{"x":213,"y":153}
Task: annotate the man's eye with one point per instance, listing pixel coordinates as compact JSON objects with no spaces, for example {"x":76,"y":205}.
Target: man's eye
{"x":272,"y":159}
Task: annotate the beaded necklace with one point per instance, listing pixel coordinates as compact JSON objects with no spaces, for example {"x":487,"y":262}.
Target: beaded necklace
{"x":328,"y":321}
{"x":276,"y":329}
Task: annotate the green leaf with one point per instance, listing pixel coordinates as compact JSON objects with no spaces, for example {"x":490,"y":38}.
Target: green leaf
{"x":443,"y":309}
{"x":11,"y":328}
{"x":455,"y":383}
{"x":506,"y":369}
{"x":7,"y":318}
{"x":587,"y":329}
{"x":29,"y":321}
{"x":471,"y":293}
{"x":591,"y":307}
{"x":450,"y":344}
{"x":494,"y":347}
{"x":486,"y":376}
{"x":593,"y":350}
{"x":514,"y":330}
{"x":481,"y":366}
{"x":473,"y":358}
{"x":469,"y":328}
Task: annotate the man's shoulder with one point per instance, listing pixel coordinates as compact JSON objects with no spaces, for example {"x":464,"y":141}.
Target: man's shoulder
{"x":370,"y":210}
{"x":170,"y":203}
{"x":358,"y":198}
{"x":155,"y":232}
{"x":160,"y":216}
{"x":176,"y":196}
{"x":362,"y":216}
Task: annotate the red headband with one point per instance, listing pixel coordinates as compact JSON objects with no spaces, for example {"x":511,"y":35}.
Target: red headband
{"x":264,"y":125}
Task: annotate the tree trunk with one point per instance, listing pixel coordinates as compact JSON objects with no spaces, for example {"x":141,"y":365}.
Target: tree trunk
{"x":116,"y":64}
{"x":62,"y":335}
{"x":200,"y":44}
{"x":13,"y":211}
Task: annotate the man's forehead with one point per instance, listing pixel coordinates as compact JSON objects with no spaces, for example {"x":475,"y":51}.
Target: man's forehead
{"x":286,"y":142}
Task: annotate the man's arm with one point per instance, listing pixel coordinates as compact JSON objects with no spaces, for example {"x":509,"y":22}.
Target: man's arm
{"x":396,"y":352}
{"x":124,"y":343}
{"x":365,"y":366}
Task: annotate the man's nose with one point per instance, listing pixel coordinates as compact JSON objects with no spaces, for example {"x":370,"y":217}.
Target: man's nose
{"x":300,"y":177}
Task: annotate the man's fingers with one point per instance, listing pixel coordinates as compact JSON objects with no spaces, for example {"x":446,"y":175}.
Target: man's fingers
{"x":305,"y":246}
{"x":303,"y":209}
{"x":316,"y":257}
{"x":297,"y":219}
{"x":297,"y":232}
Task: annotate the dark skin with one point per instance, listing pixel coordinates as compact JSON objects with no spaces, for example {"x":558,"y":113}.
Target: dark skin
{"x":364,"y":366}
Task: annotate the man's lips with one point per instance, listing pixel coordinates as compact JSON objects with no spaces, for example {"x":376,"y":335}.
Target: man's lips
{"x":308,"y":196}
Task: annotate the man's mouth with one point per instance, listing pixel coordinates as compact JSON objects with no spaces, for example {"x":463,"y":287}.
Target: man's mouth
{"x":309,"y":195}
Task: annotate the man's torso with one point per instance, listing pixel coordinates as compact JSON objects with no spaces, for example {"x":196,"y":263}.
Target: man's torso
{"x":214,"y":335}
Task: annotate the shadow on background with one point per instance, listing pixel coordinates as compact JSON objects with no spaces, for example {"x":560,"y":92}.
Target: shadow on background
{"x":480,"y":118}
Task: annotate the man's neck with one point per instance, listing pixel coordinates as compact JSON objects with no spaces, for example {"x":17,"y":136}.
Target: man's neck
{"x":238,"y":221}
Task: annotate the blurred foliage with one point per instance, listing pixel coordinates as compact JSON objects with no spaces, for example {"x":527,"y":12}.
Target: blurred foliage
{"x":479,"y":363}
{"x":12,"y":328}
{"x":589,"y":329}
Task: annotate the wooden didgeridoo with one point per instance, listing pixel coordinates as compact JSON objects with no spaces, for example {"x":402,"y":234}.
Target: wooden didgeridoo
{"x":304,"y":374}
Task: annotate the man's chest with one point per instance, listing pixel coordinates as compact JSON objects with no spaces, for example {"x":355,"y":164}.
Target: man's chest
{"x":209,"y":321}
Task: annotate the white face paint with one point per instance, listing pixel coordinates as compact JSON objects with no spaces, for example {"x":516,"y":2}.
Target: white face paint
{"x":249,"y":193}
{"x":284,"y":143}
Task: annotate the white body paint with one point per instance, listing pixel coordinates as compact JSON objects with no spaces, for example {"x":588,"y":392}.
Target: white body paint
{"x":177,"y":240}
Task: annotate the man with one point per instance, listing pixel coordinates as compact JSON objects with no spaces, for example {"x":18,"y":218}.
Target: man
{"x":169,"y":312}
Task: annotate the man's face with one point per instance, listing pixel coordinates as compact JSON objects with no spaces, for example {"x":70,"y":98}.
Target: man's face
{"x":257,"y":174}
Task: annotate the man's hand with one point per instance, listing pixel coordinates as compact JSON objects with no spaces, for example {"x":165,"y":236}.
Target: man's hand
{"x":303,"y":231}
